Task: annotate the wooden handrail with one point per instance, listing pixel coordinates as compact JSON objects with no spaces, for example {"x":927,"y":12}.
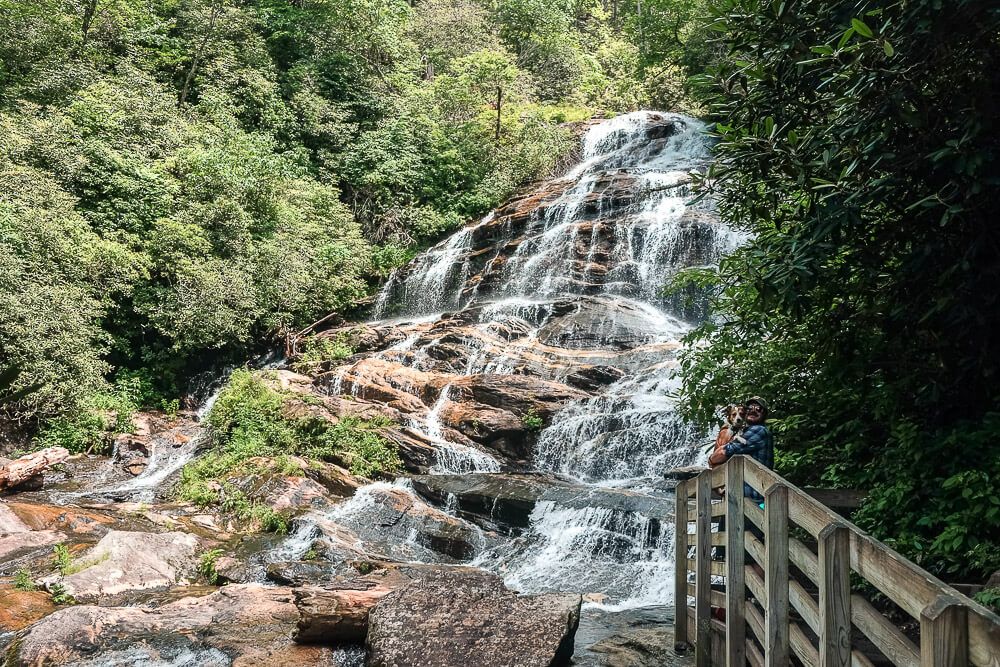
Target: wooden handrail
{"x":954,"y":630}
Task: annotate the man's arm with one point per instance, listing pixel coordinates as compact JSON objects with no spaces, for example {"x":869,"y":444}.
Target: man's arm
{"x":753,"y":440}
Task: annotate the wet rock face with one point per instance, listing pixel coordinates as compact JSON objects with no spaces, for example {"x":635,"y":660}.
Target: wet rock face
{"x":417,"y":625}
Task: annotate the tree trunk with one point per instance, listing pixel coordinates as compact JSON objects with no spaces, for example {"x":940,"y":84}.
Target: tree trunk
{"x":19,"y":471}
{"x":216,"y":10}
{"x":328,"y":616}
{"x":499,"y":102}
{"x":89,"y":11}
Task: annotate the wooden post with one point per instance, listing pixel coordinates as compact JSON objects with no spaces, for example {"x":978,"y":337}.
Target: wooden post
{"x":835,"y":596}
{"x":944,"y":633}
{"x":703,"y":570}
{"x":776,"y":653}
{"x":681,"y":639}
{"x":736,"y":628}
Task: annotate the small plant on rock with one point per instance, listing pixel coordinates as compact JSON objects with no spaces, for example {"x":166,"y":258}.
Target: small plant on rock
{"x":532,"y":420}
{"x":61,"y":559}
{"x":23,"y":580}
{"x":206,"y":565}
{"x":60,"y":595}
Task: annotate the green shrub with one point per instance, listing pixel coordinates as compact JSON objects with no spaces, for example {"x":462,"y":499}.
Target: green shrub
{"x":532,"y":420}
{"x":206,"y":565}
{"x":318,"y":349}
{"x":23,"y":580}
{"x":59,"y":595}
{"x":61,"y":559}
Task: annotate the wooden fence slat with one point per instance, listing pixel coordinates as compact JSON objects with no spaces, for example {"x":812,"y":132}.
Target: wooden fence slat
{"x":753,"y":655}
{"x":881,"y":632}
{"x":757,"y":624}
{"x":802,"y":647}
{"x":681,"y":639}
{"x":901,"y":581}
{"x":984,"y":637}
{"x":835,"y":596}
{"x":804,"y":559}
{"x":756,"y":585}
{"x":718,"y":509}
{"x":716,"y":567}
{"x":753,"y":512}
{"x":716,"y":598}
{"x":759,"y":477}
{"x":735,"y":586}
{"x":702,"y":572}
{"x":944,"y":633}
{"x":776,"y":651}
{"x":755,"y":548}
{"x":803,"y":603}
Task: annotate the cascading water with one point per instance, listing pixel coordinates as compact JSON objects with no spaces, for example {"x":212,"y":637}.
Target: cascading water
{"x":580,"y":282}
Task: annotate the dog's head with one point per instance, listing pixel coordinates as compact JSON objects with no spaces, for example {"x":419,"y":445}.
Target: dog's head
{"x":735,"y":416}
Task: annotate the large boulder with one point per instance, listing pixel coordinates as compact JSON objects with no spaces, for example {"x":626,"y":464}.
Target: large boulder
{"x":238,"y":625}
{"x":459,"y":618}
{"x":126,"y":561}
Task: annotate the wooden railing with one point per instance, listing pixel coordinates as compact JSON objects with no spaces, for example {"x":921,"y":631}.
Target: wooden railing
{"x":774,"y":613}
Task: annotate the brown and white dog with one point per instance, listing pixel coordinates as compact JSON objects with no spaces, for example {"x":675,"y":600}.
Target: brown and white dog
{"x":734,"y":421}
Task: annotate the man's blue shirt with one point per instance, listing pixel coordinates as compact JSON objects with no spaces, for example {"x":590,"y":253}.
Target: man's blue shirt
{"x":758,"y":443}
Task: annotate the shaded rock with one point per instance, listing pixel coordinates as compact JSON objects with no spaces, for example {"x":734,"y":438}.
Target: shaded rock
{"x":251,"y":623}
{"x":19,"y":609}
{"x":418,"y":625}
{"x":335,"y":615}
{"x":643,"y":647}
{"x":130,"y":561}
{"x":231,"y":570}
{"x":22,"y":544}
{"x":301,"y":572}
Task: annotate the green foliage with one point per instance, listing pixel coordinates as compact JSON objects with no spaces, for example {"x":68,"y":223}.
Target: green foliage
{"x":319,"y":349}
{"x":61,"y":559}
{"x":853,"y":150}
{"x":989,"y":598}
{"x":59,"y":595}
{"x":249,"y":420}
{"x":532,"y":420}
{"x":23,"y":581}
{"x":206,"y":565}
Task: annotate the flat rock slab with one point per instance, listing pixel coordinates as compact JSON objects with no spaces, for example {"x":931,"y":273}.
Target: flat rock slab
{"x":19,"y":609}
{"x":643,"y":647}
{"x":128,"y":561}
{"x":238,"y":625}
{"x":463,"y":618}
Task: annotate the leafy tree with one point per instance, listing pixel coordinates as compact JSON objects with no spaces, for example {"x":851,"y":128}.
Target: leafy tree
{"x":853,"y":148}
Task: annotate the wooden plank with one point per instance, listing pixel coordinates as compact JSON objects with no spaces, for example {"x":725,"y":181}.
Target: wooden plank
{"x":719,"y":476}
{"x":716,"y":567}
{"x":753,"y":655}
{"x":944,"y":633}
{"x":984,"y":637}
{"x":804,"y":559}
{"x":735,"y":586}
{"x":755,"y":547}
{"x":836,"y":498}
{"x":881,"y":632}
{"x":716,"y":598}
{"x":681,"y":639}
{"x":759,"y":477}
{"x":718,"y":508}
{"x":753,"y":512}
{"x":901,"y":581}
{"x":803,"y":603}
{"x":702,"y":570}
{"x":810,"y":514}
{"x":835,"y":596}
{"x":802,"y":647}
{"x":776,"y":650}
{"x":756,"y":585}
{"x":756,"y":623}
{"x":719,"y":539}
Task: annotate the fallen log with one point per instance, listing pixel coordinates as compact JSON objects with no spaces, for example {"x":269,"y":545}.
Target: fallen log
{"x":327,"y":616}
{"x":17,"y":472}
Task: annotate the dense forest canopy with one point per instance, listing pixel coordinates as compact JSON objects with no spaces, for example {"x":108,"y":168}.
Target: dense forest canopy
{"x":183,"y":180}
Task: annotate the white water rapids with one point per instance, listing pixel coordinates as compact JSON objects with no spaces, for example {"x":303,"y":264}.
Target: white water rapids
{"x":619,"y":226}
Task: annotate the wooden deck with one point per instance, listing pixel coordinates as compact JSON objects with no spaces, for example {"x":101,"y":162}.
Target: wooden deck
{"x":792,"y":597}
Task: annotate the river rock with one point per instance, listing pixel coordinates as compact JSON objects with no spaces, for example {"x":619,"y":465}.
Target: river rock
{"x":642,"y":647}
{"x":462,"y":618}
{"x":238,"y":625}
{"x":126,"y":561}
{"x":19,"y":609}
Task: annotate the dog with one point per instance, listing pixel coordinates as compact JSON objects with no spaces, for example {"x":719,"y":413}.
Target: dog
{"x":734,"y":422}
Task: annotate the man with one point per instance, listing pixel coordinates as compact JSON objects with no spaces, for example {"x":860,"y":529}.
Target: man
{"x":756,"y":441}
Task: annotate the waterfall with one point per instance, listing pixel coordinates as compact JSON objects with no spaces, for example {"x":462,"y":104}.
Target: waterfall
{"x":567,"y":276}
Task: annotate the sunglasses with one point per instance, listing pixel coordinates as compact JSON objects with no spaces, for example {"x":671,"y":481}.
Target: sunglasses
{"x":755,"y":408}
